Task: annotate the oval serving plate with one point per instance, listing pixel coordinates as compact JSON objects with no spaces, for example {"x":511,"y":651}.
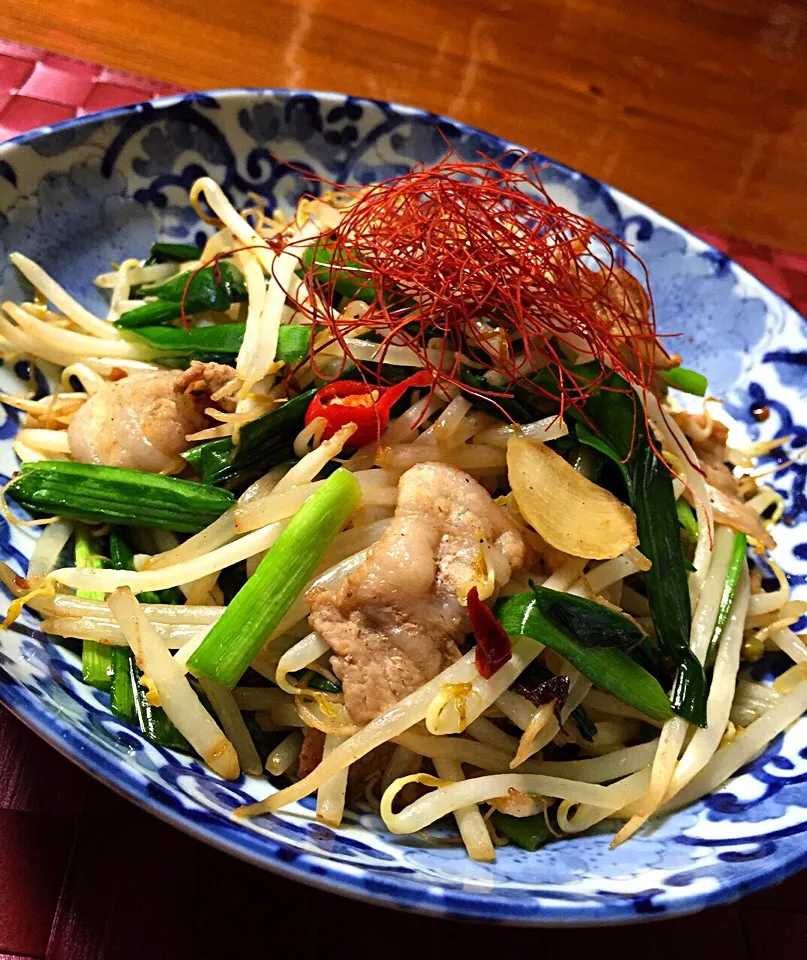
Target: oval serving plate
{"x":94,"y":190}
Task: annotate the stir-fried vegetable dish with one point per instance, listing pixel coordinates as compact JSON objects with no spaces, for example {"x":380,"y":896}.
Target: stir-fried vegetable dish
{"x":392,"y":500}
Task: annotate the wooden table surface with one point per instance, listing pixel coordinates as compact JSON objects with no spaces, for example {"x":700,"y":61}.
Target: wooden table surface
{"x":697,"y":107}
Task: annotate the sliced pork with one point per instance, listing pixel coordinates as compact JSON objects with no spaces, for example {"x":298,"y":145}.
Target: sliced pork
{"x":142,"y":421}
{"x":729,"y":508}
{"x":395,"y":622}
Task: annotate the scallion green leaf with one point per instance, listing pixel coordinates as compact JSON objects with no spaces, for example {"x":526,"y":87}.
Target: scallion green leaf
{"x":128,"y":699}
{"x":265,"y":442}
{"x":96,"y":658}
{"x":687,"y":381}
{"x":121,"y":694}
{"x":122,"y":557}
{"x":586,"y":622}
{"x":620,"y":434}
{"x":129,"y":702}
{"x":609,"y":667}
{"x":223,"y":338}
{"x":529,"y":833}
{"x":163,"y":252}
{"x":293,"y":344}
{"x":220,"y":342}
{"x":349,"y":276}
{"x":739,"y":549}
{"x":666,"y":580}
{"x":91,"y":492}
{"x":687,"y":519}
{"x":214,"y":288}
{"x":258,"y":607}
{"x":149,"y":315}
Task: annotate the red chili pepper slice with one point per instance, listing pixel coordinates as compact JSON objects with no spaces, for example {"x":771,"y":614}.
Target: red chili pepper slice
{"x":350,"y":401}
{"x":493,"y":647}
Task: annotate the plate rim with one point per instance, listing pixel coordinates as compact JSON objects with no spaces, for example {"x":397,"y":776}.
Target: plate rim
{"x":311,"y":868}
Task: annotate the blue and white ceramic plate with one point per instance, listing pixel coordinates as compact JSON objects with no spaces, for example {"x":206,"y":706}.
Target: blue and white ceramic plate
{"x":98,"y":189}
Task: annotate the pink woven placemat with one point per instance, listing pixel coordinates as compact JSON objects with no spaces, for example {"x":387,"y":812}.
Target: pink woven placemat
{"x":86,"y":876}
{"x":39,"y":88}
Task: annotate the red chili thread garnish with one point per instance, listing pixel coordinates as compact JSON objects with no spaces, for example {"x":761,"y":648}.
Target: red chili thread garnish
{"x":493,"y":647}
{"x":478,"y":254}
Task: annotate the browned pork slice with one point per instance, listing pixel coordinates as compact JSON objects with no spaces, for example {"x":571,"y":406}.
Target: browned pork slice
{"x":729,"y":508}
{"x":362,"y":772}
{"x":395,"y":622}
{"x":203,"y":379}
{"x":142,"y":421}
{"x":310,"y":755}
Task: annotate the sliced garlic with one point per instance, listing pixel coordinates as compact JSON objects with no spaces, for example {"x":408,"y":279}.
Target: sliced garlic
{"x":569,"y":511}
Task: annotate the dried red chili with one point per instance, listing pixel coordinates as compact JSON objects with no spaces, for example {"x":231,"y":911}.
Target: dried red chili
{"x":555,"y":690}
{"x":350,"y":401}
{"x":493,"y":647}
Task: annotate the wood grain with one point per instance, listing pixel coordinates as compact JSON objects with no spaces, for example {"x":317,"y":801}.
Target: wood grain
{"x":697,"y":107}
